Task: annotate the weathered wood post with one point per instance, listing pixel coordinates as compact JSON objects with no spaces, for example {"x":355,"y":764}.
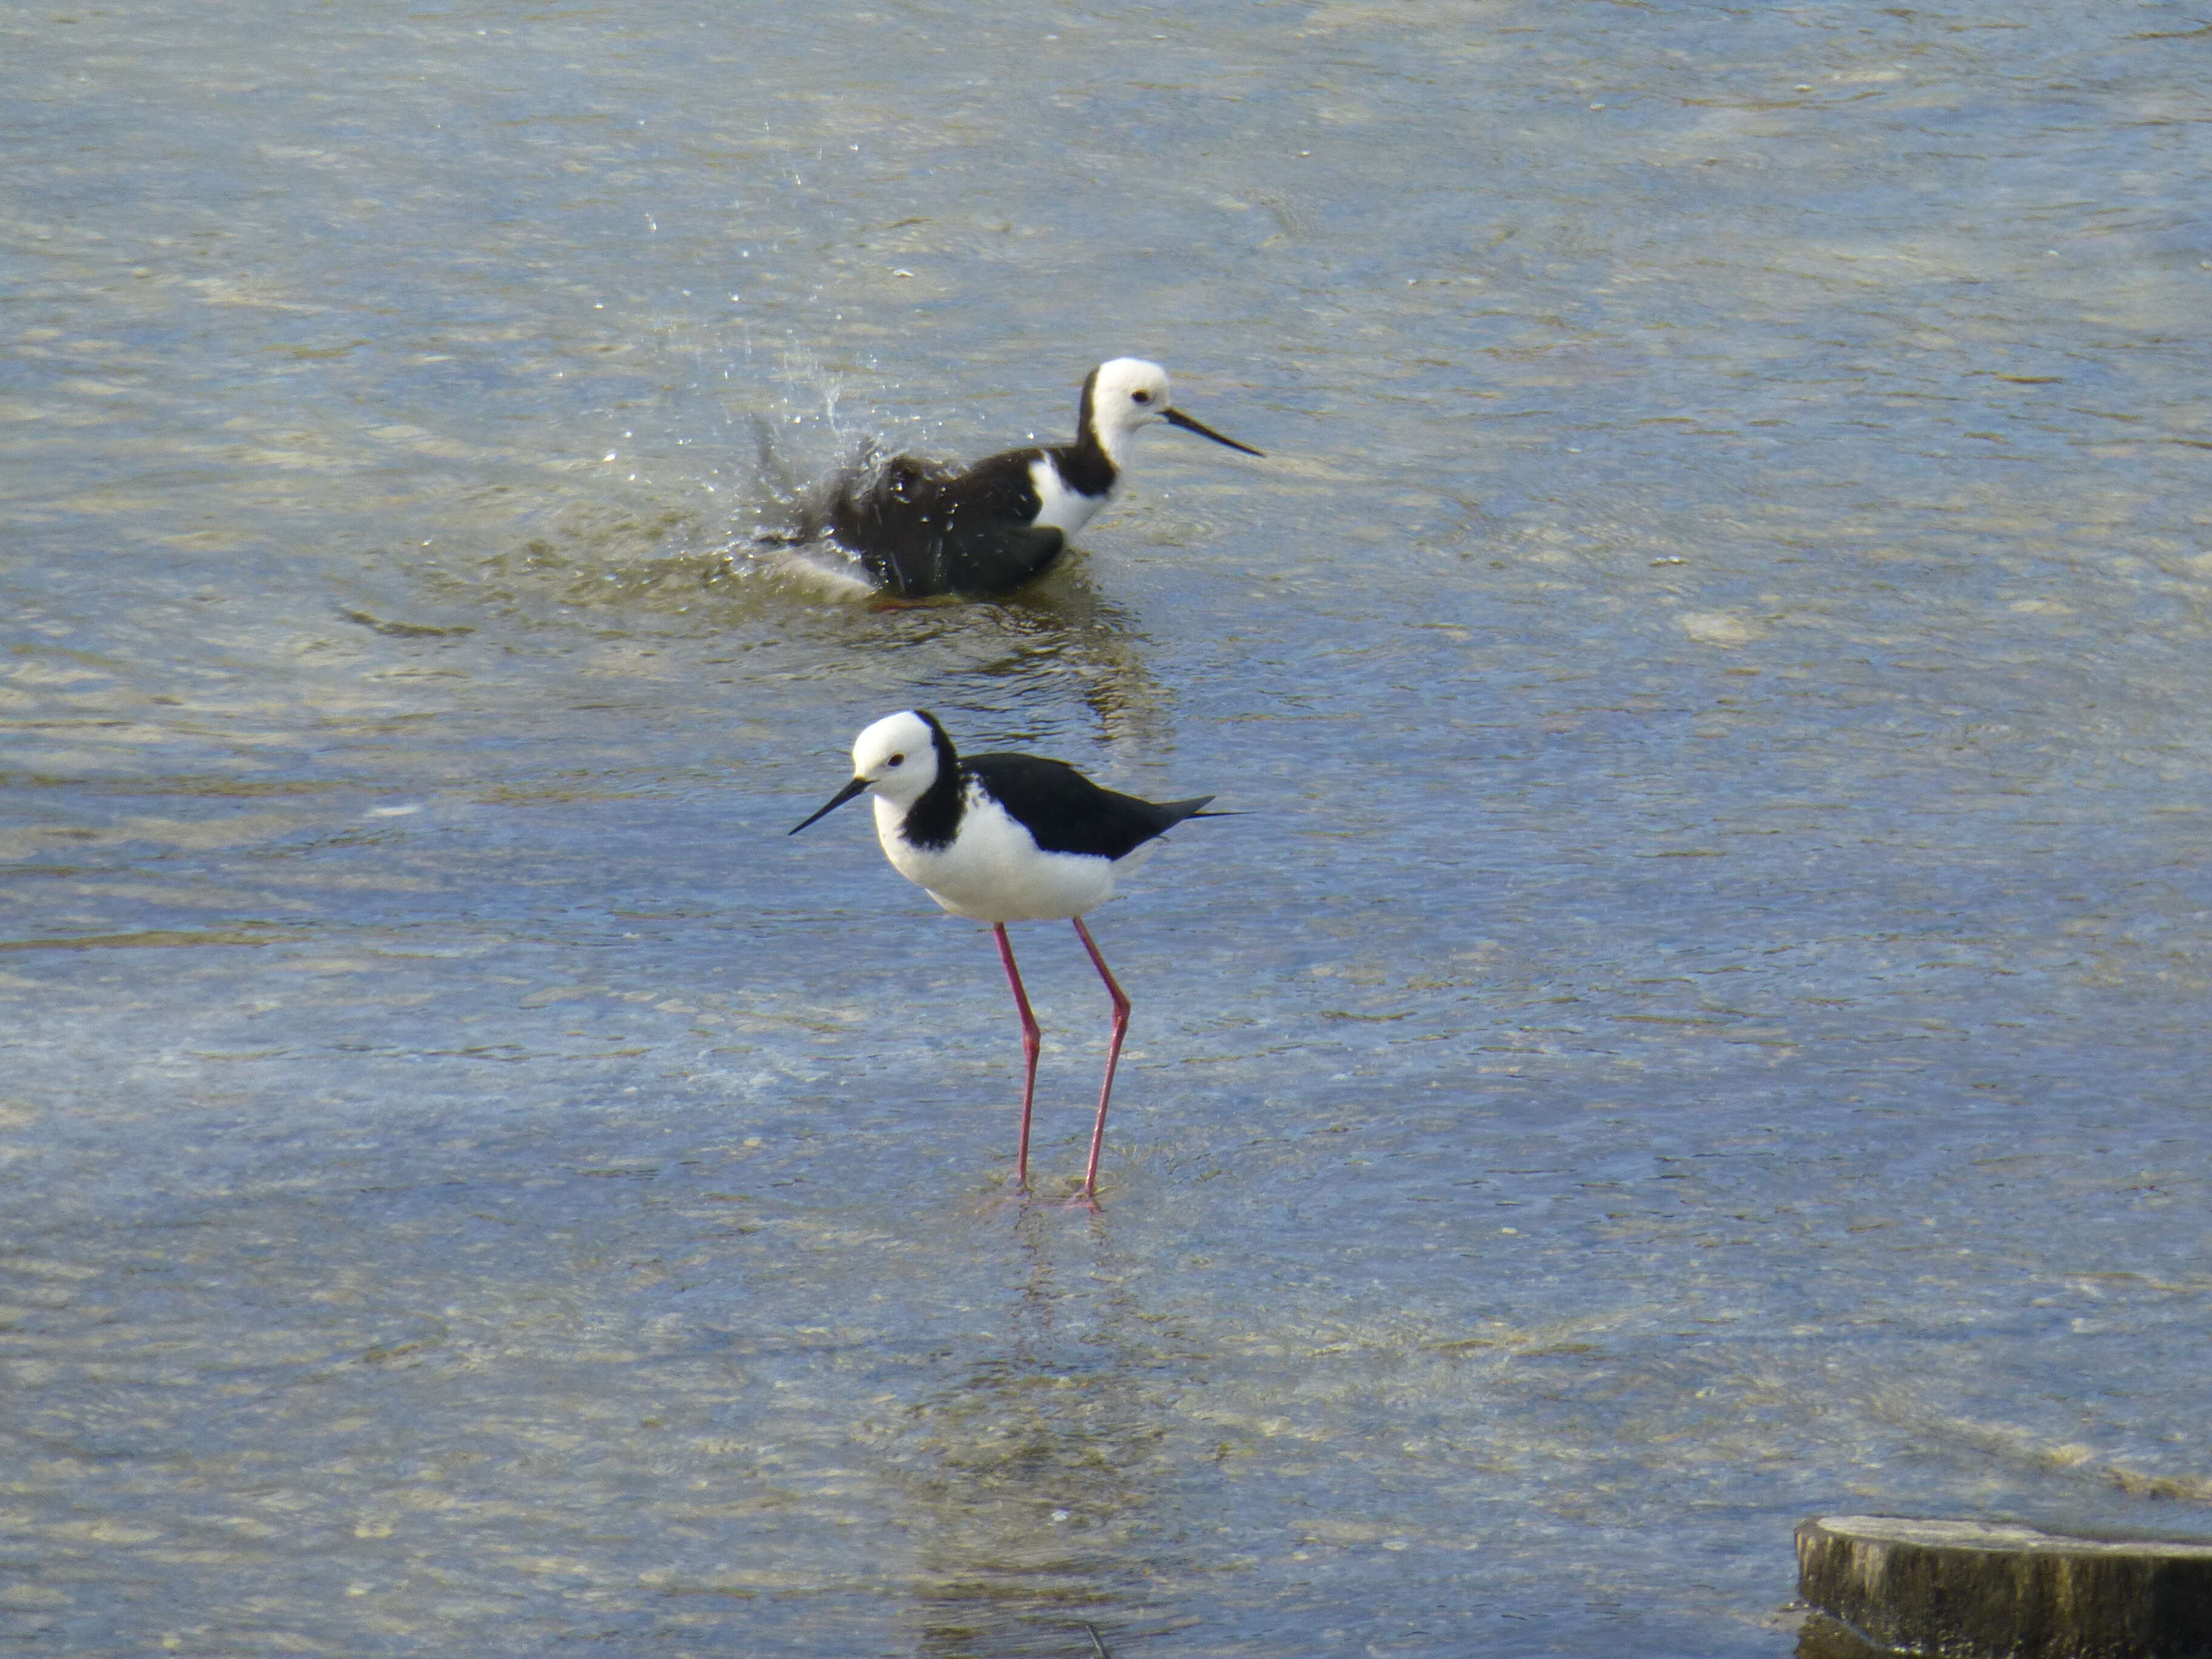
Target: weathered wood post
{"x":1975,"y":1590}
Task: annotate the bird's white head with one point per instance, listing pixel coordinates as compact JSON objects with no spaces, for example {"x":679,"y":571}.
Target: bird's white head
{"x":1122,"y":396}
{"x":896,"y":760}
{"x":1128,"y":393}
{"x":898,"y":757}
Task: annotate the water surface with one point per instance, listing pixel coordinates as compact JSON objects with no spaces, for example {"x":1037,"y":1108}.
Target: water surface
{"x":1701,"y":1025}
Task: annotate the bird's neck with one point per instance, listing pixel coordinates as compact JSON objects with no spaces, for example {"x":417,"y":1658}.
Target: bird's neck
{"x":931,"y":819}
{"x":1088,"y":465}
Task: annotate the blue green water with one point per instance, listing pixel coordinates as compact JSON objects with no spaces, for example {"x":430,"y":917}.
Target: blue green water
{"x":1702,"y":1025}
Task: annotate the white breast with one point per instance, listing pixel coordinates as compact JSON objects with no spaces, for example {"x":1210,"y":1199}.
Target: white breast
{"x":1063,"y":509}
{"x":994,"y":870}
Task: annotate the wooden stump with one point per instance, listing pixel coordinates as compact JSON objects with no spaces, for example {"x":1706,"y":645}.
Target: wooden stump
{"x":1974,"y":1590}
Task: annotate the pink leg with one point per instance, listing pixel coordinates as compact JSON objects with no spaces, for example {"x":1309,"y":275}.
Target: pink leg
{"x":1089,"y":1193}
{"x":1032,"y":1040}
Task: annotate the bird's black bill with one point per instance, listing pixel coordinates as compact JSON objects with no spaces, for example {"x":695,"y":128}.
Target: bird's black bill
{"x":836,"y":801}
{"x":1177,"y":417}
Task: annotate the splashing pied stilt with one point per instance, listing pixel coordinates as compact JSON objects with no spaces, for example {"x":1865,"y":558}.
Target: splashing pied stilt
{"x":911,"y":528}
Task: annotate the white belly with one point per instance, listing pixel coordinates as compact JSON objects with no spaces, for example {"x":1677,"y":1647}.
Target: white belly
{"x":1062,"y":509}
{"x":994,"y":871}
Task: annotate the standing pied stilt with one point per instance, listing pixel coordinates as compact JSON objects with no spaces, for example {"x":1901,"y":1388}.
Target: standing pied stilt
{"x":912,"y":528}
{"x":1004,"y":838}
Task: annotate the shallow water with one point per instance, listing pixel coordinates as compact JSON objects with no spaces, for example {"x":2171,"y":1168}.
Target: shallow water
{"x":1701,"y":1025}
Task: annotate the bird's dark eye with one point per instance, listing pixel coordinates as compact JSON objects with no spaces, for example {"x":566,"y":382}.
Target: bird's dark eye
{"x":1140,"y":397}
{"x":896,"y":760}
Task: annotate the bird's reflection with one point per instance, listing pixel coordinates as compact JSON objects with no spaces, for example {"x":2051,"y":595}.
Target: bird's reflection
{"x":1056,"y":641}
{"x":1065,"y":629}
{"x":1042,"y":1479}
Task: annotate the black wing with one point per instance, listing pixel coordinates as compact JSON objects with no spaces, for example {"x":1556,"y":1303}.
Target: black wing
{"x":997,"y":490}
{"x":922,"y":527}
{"x":1066,"y":812}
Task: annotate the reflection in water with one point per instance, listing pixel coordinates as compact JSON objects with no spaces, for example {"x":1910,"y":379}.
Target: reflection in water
{"x":1063,"y":628}
{"x":1044,"y":1476}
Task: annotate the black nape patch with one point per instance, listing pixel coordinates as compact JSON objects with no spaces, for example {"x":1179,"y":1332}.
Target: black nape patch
{"x":933,"y":820}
